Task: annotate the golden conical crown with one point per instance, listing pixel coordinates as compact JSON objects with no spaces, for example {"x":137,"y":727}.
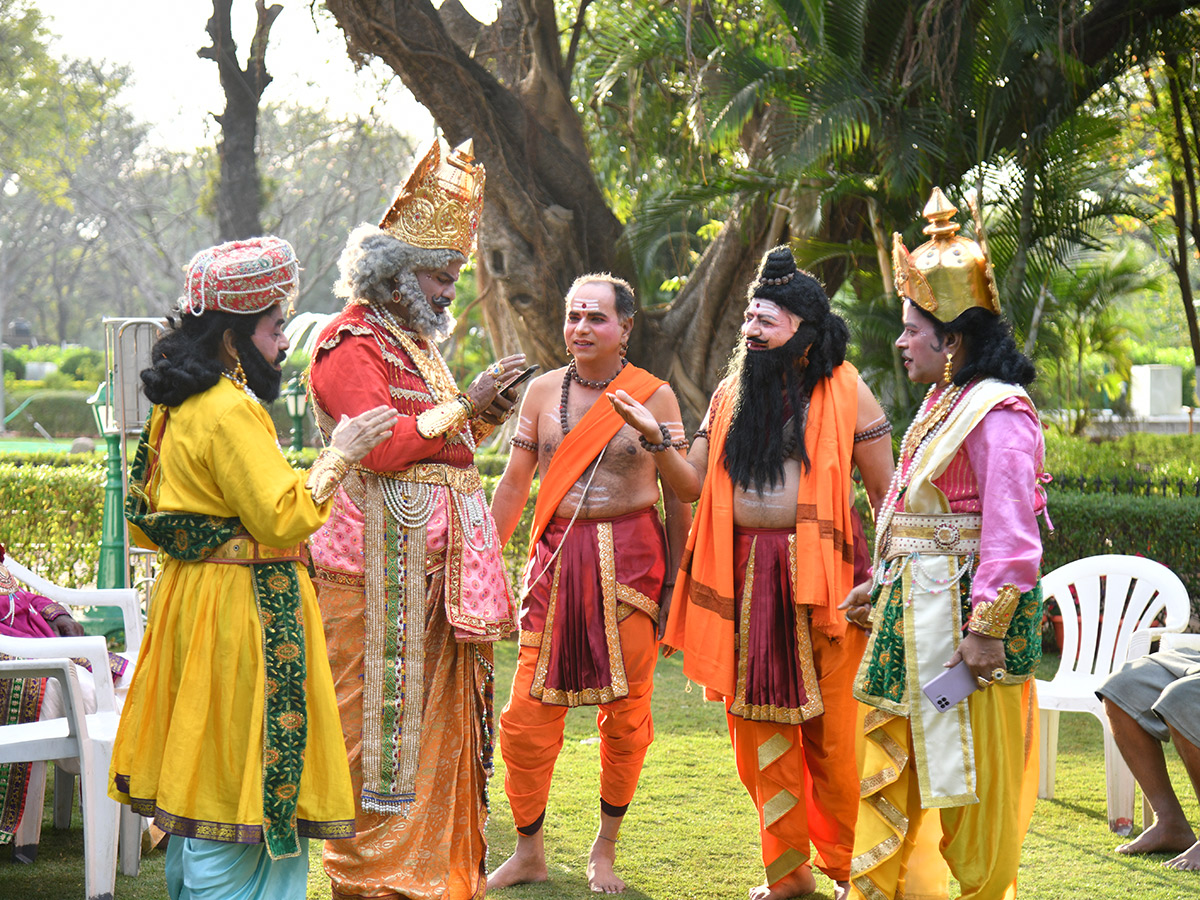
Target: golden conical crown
{"x":440,"y":203}
{"x":948,"y":274}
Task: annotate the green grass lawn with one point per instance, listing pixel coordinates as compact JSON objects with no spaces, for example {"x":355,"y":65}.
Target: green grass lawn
{"x":692,"y":831}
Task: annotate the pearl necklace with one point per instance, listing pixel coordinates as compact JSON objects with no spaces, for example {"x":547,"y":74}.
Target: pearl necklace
{"x":916,"y":441}
{"x":572,"y":375}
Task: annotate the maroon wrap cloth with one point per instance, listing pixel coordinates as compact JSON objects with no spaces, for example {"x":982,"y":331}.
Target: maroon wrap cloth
{"x":606,"y":569}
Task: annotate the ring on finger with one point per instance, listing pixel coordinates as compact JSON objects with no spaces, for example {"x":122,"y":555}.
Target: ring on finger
{"x":998,"y":674}
{"x":982,"y":682}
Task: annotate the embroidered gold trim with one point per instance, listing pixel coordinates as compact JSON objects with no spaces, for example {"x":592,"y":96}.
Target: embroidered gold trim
{"x":778,"y":807}
{"x":991,"y":618}
{"x":244,"y":549}
{"x":619,"y":685}
{"x":814,"y":706}
{"x":405,"y":394}
{"x":864,"y":862}
{"x":531,"y":639}
{"x":787,"y":861}
{"x":637,"y":600}
{"x":771,"y":749}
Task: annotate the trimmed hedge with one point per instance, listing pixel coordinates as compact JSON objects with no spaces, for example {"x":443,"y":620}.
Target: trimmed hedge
{"x":52,"y":518}
{"x":1167,"y":531}
{"x":62,"y":413}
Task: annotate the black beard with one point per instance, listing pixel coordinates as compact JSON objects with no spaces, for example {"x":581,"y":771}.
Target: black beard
{"x":261,"y":377}
{"x":769,"y":392}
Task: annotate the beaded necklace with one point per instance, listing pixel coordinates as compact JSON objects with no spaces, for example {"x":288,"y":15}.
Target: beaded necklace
{"x":572,"y":375}
{"x":917,"y":439}
{"x":430,"y":364}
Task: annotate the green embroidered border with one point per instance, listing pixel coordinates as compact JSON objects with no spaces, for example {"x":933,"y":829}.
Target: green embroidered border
{"x":285,"y":717}
{"x":882,"y":676}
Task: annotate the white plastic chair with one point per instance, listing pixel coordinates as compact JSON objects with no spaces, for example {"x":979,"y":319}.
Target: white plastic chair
{"x":29,"y":829}
{"x":88,"y":737}
{"x":1106,"y":620}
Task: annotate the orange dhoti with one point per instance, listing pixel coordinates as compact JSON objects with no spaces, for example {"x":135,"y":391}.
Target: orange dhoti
{"x":588,"y":638}
{"x":437,"y":849}
{"x":792,"y":719}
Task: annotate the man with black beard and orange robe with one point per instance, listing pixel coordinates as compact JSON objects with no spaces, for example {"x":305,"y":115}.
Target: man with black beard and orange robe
{"x":769,"y":558}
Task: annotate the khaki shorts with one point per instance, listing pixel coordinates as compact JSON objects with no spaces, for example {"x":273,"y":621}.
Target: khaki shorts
{"x":1157,"y":689}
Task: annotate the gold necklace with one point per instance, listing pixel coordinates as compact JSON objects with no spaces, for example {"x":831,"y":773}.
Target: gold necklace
{"x":929,"y":420}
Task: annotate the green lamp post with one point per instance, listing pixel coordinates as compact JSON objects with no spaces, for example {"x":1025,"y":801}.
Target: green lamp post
{"x":112,"y":572}
{"x":295,"y":398}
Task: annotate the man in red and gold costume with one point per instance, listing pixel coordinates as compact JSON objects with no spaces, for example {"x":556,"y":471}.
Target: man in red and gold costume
{"x":589,"y":616}
{"x":956,"y":582}
{"x":408,"y":569}
{"x":770,"y":556}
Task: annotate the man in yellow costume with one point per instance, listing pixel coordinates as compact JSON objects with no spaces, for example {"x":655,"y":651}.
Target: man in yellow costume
{"x":409,"y":574}
{"x":956,"y":580}
{"x":230,"y":738}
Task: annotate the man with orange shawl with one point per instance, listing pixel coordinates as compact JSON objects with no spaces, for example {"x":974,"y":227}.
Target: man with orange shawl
{"x":769,"y":558}
{"x":408,"y":569}
{"x":956,"y":583}
{"x":588,"y":621}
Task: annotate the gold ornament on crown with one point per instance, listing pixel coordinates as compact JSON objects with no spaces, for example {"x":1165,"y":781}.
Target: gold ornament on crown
{"x":948,"y":274}
{"x":440,"y":203}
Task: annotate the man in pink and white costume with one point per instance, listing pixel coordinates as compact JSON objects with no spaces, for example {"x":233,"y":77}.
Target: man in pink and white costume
{"x":956,"y":580}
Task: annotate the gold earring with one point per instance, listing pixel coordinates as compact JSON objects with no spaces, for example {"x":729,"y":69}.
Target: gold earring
{"x":238,"y":376}
{"x":396,"y":296}
{"x":948,"y":371}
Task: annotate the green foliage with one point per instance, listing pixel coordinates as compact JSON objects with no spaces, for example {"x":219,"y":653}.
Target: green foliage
{"x":63,"y":413}
{"x":1138,"y":455}
{"x":14,"y":365}
{"x":83,"y":364}
{"x":1165,"y":530}
{"x":52,"y":517}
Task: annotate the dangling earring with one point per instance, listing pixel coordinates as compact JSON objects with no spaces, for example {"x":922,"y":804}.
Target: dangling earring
{"x":396,"y":296}
{"x":238,"y":375}
{"x":948,"y":371}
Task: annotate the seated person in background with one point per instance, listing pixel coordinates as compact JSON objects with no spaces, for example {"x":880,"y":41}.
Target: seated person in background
{"x":1149,"y":701}
{"x":25,"y":614}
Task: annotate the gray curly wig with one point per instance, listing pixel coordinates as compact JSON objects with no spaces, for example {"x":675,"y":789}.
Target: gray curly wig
{"x":374,"y":264}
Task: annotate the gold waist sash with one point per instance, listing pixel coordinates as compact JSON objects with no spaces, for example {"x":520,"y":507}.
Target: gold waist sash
{"x":244,"y":550}
{"x":461,"y":481}
{"x":950,"y":534}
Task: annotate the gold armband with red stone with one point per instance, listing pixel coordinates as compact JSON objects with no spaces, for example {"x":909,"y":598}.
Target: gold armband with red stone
{"x":445,"y":418}
{"x":991,"y":618}
{"x":327,"y":472}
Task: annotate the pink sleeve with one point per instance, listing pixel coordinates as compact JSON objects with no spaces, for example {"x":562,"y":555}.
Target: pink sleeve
{"x":1006,"y":453}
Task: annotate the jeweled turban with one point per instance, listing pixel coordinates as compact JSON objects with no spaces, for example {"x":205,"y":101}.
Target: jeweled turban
{"x":241,"y":276}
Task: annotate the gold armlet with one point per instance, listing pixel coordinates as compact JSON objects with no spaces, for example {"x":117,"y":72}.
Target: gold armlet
{"x":445,"y":418}
{"x":327,"y":472}
{"x":991,"y":618}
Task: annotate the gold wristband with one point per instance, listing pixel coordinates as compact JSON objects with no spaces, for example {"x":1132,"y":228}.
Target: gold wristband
{"x":991,"y":618}
{"x":327,"y":472}
{"x":445,"y":418}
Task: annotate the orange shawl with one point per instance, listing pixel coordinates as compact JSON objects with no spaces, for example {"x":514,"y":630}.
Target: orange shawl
{"x":583,"y":444}
{"x":701,"y":621}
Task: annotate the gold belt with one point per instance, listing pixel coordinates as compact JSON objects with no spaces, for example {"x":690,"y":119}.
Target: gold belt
{"x":462,"y":481}
{"x":951,"y":534}
{"x":243,"y":549}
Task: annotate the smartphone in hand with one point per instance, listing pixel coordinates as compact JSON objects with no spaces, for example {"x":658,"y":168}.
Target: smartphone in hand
{"x":521,"y":377}
{"x":954,"y":685}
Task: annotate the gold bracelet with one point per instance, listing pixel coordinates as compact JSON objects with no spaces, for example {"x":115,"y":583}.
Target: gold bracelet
{"x":327,"y":472}
{"x":445,"y":418}
{"x":991,"y":618}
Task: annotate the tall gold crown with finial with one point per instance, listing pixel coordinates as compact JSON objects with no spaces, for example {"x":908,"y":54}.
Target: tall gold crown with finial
{"x":440,"y":203}
{"x":948,"y":274}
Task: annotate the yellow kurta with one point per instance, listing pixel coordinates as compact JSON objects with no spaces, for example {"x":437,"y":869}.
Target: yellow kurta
{"x":189,"y":748}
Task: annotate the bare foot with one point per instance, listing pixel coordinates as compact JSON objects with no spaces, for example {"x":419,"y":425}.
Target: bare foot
{"x":841,"y":890}
{"x":1188,"y":860}
{"x":601,"y":877}
{"x":526,"y":865}
{"x":1161,"y":837}
{"x":797,"y":884}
